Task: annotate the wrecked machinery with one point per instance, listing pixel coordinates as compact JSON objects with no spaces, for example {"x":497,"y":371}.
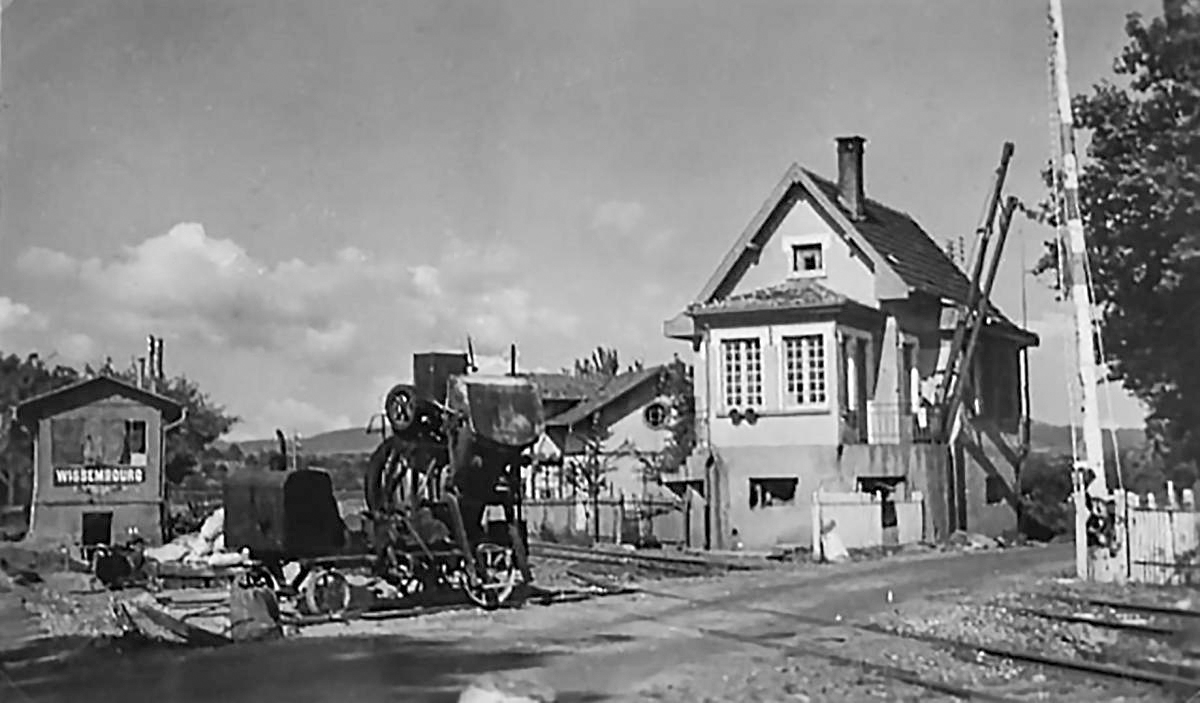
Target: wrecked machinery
{"x":442,"y":493}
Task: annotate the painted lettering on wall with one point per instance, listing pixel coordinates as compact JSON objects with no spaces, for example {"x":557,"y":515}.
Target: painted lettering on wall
{"x":99,"y":475}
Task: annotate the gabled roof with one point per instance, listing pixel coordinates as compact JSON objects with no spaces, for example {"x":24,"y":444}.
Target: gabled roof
{"x":90,"y":391}
{"x":906,"y":248}
{"x":616,"y":388}
{"x":889,"y":242}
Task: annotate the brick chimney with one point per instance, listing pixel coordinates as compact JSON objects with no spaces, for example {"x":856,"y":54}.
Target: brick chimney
{"x":850,"y":176}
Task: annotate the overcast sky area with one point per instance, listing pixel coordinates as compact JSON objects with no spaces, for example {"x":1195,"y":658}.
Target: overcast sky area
{"x":296,"y":195}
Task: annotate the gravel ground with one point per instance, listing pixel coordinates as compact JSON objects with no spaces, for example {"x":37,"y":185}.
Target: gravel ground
{"x":653,"y":648}
{"x":995,"y":616}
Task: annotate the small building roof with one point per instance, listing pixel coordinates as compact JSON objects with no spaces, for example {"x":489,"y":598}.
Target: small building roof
{"x":614,"y":389}
{"x":90,"y":391}
{"x":564,"y":386}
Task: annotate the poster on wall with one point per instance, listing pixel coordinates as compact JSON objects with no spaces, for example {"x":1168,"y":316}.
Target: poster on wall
{"x":98,"y":453}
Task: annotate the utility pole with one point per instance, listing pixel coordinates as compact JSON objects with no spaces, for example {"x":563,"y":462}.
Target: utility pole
{"x":1075,"y":282}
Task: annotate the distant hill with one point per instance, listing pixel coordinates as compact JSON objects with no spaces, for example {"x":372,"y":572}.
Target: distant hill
{"x":354,"y":440}
{"x":1056,"y":439}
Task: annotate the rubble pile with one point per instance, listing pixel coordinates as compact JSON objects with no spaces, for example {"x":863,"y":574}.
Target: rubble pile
{"x":203,"y":548}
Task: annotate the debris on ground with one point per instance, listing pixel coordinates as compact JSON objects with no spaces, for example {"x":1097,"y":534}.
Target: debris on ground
{"x":973,"y":541}
{"x":206,"y":547}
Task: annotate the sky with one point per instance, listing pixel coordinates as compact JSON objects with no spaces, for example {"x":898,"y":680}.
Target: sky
{"x":296,"y":195}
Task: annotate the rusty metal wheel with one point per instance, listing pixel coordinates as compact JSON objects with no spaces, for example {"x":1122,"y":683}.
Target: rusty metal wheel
{"x":497,"y":576}
{"x":326,"y":592}
{"x":259,"y":576}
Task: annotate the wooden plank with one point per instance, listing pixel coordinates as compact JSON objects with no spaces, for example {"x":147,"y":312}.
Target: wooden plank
{"x":1182,"y":543}
{"x":976,"y":452}
{"x":1134,"y":530}
{"x":992,"y":431}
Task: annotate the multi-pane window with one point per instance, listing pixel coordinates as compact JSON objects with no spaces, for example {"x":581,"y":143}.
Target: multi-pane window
{"x":804,"y":370}
{"x":742,"y":373}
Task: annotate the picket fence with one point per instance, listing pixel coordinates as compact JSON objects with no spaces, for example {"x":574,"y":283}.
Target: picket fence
{"x":573,"y":519}
{"x":1157,"y":544}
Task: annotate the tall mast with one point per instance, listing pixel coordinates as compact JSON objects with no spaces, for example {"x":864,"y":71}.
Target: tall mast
{"x":1075,"y":280}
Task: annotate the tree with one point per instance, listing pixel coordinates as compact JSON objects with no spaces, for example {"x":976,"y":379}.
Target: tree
{"x":1140,"y":201}
{"x":21,"y":379}
{"x":205,"y":423}
{"x":604,"y":363}
{"x":677,"y":384}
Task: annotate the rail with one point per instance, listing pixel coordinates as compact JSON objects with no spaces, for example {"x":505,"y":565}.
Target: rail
{"x":1142,"y":674}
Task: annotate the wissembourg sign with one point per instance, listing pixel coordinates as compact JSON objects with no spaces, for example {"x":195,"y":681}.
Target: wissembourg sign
{"x":99,"y":475}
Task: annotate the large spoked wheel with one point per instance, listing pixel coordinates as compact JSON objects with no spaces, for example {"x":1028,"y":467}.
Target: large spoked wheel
{"x":326,"y":592}
{"x":498,"y":576}
{"x":400,"y":407}
{"x":384,"y":480}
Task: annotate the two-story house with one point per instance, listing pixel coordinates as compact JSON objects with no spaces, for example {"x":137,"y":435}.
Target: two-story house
{"x":818,"y":342}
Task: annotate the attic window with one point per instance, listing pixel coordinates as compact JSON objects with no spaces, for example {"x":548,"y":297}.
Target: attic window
{"x":808,"y":260}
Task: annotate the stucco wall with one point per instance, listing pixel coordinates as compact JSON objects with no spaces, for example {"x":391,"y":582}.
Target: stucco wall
{"x":63,"y":522}
{"x":843,"y":273}
{"x":816,"y":467}
{"x":631,"y":431}
{"x":777,"y":424}
{"x":54,"y":511}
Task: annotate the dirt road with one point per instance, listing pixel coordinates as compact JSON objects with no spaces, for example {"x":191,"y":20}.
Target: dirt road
{"x":624,"y":647}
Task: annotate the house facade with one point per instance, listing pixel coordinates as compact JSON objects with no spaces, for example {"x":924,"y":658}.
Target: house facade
{"x":619,"y":423}
{"x":819,"y":342}
{"x":98,"y":459}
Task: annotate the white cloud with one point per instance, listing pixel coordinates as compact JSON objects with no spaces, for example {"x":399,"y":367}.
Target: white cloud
{"x":15,"y":316}
{"x":329,"y":335}
{"x":620,"y":216}
{"x":198,"y":287}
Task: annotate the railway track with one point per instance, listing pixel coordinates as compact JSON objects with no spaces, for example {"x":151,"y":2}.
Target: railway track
{"x":820,"y":628}
{"x":661,"y":562}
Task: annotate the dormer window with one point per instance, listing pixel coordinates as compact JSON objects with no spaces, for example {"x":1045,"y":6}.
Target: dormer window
{"x":808,"y":259}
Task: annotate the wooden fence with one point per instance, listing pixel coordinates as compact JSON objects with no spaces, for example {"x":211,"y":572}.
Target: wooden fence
{"x":1158,"y":544}
{"x":609,"y":519}
{"x":615,"y":520}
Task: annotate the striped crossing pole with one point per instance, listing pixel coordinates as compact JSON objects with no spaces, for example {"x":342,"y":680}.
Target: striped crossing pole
{"x":1076,"y":276}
